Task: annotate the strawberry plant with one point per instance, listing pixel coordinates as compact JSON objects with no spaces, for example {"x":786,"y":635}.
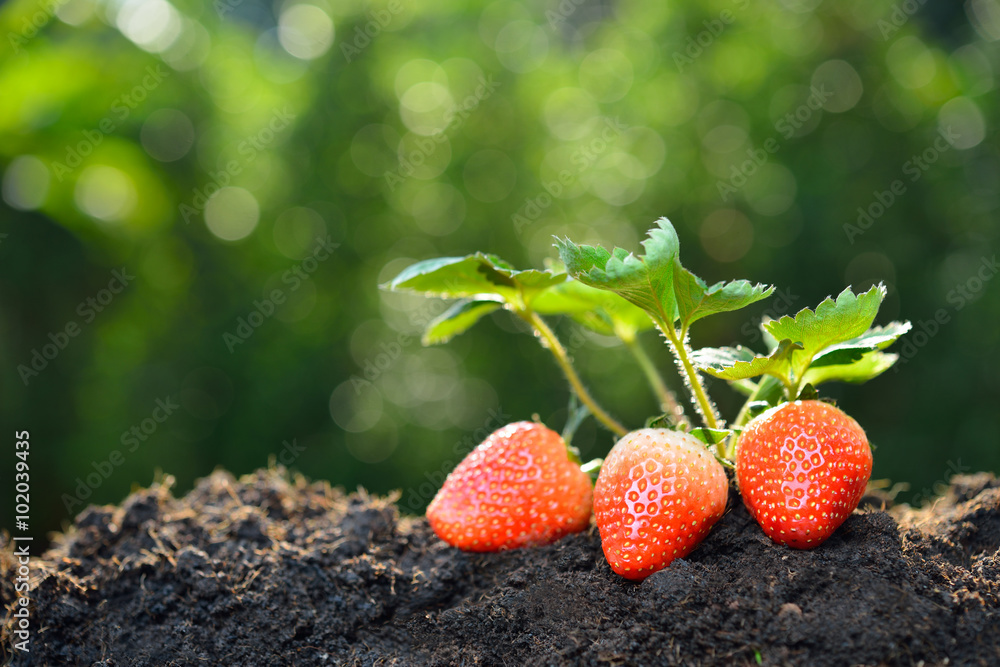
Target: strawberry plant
{"x":801,"y":464}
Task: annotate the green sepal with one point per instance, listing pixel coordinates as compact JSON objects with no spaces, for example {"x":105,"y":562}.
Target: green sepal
{"x":661,"y":421}
{"x":756,"y":408}
{"x":712,"y":436}
{"x":807,"y":393}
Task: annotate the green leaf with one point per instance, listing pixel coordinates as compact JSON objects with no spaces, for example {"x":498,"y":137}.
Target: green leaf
{"x":834,"y":336}
{"x":876,"y":338}
{"x":456,"y":320}
{"x":740,"y":363}
{"x":481,"y":277}
{"x":833,"y":322}
{"x":870,"y":365}
{"x":695,"y":299}
{"x":597,"y":309}
{"x":656,"y":281}
{"x":646,"y":281}
{"x":711,"y":436}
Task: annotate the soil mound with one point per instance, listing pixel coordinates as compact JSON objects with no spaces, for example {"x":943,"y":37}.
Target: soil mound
{"x":272,"y":570}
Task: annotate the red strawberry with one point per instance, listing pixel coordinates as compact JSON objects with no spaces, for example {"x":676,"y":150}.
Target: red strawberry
{"x":658,"y":495}
{"x":802,"y":467}
{"x":518,"y":488}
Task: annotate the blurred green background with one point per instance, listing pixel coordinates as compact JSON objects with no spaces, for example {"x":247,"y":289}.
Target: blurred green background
{"x":200,"y":199}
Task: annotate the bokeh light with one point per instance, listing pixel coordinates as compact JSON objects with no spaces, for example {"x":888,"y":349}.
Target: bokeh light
{"x":167,"y":135}
{"x":726,"y":235}
{"x":25,"y":183}
{"x":105,"y":193}
{"x":961,"y":118}
{"x":154,"y":25}
{"x":232,"y":213}
{"x":306,"y":31}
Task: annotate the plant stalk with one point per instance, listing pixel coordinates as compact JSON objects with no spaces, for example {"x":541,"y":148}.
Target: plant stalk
{"x":550,"y":341}
{"x":668,"y":402}
{"x":701,"y":401}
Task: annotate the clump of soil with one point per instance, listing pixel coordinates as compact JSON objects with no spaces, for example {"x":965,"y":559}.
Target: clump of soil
{"x":269,"y":570}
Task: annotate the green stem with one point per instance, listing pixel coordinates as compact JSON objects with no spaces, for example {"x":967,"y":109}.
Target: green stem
{"x":550,"y":341}
{"x":741,"y":419}
{"x":744,"y":412}
{"x":678,"y":345}
{"x":668,"y":402}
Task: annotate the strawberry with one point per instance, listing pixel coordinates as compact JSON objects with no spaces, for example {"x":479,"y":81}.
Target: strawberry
{"x":802,"y":467}
{"x":658,"y":495}
{"x":518,"y":488}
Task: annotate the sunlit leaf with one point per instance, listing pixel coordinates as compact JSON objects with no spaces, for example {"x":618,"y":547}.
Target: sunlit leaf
{"x":740,"y":363}
{"x":597,"y":309}
{"x":869,"y":365}
{"x":646,"y":280}
{"x":696,"y":299}
{"x":876,"y":338}
{"x":479,"y":276}
{"x":833,"y":321}
{"x":456,"y":320}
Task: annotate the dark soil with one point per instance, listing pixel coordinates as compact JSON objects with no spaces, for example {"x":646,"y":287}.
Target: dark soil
{"x":267,"y":571}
